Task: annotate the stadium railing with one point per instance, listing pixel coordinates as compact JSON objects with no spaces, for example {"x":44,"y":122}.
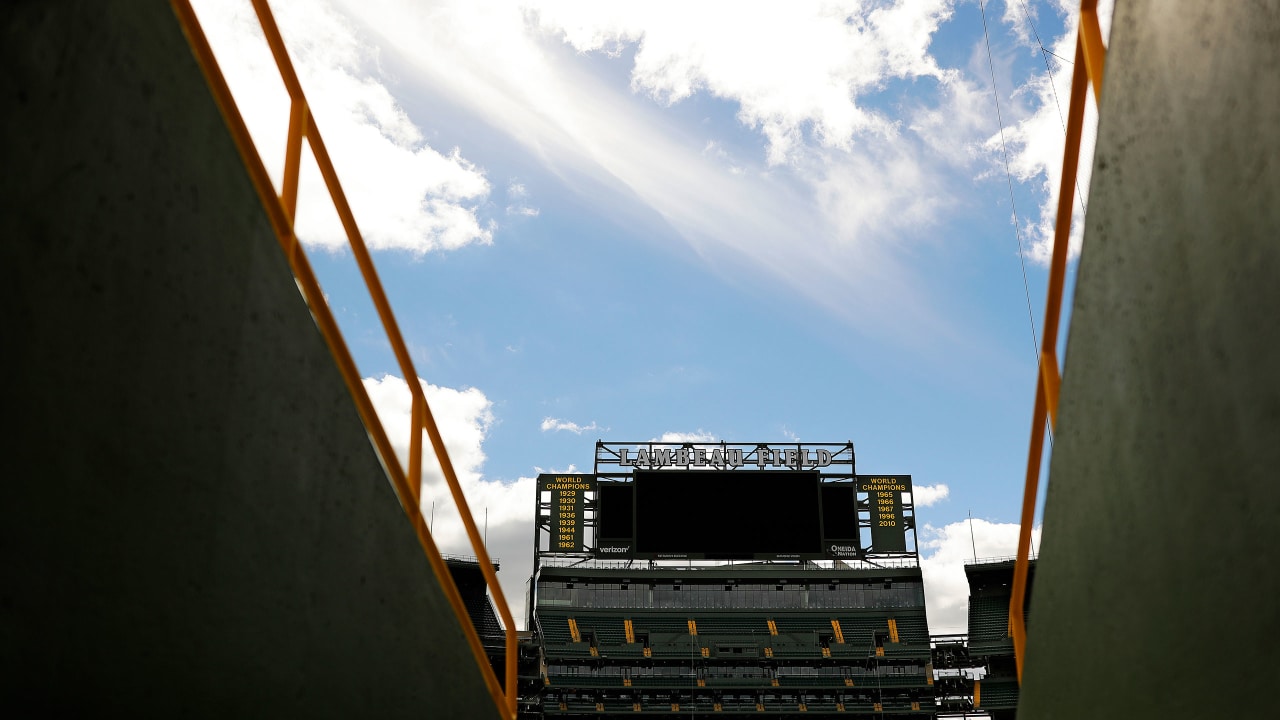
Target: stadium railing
{"x":281,"y":209}
{"x":1090,"y":57}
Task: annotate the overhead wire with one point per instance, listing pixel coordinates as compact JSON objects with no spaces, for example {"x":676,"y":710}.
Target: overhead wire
{"x":1053,"y":86}
{"x":1017,"y":227}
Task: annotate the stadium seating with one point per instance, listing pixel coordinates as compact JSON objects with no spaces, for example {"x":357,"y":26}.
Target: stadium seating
{"x":785,"y":659}
{"x":913,"y":629}
{"x":996,"y":695}
{"x":988,"y":619}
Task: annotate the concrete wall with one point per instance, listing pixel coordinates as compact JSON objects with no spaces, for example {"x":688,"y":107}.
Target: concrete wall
{"x":1159,"y":574}
{"x":194,"y":522}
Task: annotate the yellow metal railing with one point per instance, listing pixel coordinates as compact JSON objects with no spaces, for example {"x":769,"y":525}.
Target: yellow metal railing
{"x":1089,"y":59}
{"x":280,"y":210}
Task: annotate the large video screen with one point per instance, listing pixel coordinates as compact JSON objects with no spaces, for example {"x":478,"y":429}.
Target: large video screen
{"x":615,"y":519}
{"x":724,"y":514}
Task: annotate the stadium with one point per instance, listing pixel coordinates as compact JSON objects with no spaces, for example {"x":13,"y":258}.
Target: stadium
{"x":692,"y":580}
{"x":207,"y":518}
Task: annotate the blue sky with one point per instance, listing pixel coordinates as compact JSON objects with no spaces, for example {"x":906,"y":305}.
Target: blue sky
{"x":742,"y":222}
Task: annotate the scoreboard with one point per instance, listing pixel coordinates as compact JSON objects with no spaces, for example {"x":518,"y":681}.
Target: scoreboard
{"x":720,"y":514}
{"x":726,"y":512}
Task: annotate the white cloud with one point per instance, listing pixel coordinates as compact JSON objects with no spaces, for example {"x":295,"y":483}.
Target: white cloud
{"x":554,"y":471}
{"x":824,"y":208}
{"x":464,"y":418}
{"x":926,"y":495}
{"x":943,"y":554}
{"x":550,"y":424}
{"x":517,"y":192}
{"x":843,"y":186}
{"x":953,"y":128}
{"x":716,"y":151}
{"x":794,"y":69}
{"x":697,"y":436}
{"x":505,"y":509}
{"x":1035,"y":142}
{"x":404,"y":194}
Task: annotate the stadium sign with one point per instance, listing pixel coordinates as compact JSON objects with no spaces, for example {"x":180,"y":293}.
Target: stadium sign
{"x":567,"y":508}
{"x":724,"y":458}
{"x":724,"y":501}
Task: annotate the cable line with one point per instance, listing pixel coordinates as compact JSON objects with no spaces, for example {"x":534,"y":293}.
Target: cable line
{"x":1045,"y":52}
{"x":1017,"y":228}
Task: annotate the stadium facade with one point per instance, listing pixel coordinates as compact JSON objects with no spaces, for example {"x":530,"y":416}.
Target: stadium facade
{"x":726,"y":579}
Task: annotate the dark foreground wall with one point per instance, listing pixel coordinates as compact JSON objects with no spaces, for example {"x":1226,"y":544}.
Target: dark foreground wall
{"x":1158,"y":587}
{"x":193,"y":522}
